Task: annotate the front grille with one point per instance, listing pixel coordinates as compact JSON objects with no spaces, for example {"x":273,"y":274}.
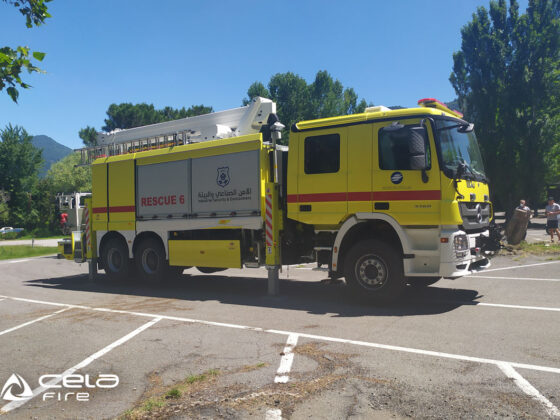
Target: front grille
{"x":475,"y":215}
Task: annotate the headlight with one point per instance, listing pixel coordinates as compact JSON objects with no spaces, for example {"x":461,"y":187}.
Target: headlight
{"x":461,"y":243}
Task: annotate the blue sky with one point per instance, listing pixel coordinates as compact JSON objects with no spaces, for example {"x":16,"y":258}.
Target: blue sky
{"x":180,"y":53}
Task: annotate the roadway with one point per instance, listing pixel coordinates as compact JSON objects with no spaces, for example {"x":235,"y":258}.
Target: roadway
{"x":480,"y":346}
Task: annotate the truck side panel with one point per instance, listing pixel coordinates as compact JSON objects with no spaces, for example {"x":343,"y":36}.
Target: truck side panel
{"x":200,"y":253}
{"x":322,"y":177}
{"x":360,"y":169}
{"x":99,"y":196}
{"x":400,"y":192}
{"x":121,"y":195}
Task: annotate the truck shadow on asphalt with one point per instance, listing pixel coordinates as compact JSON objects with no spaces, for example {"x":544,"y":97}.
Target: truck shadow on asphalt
{"x":312,"y":297}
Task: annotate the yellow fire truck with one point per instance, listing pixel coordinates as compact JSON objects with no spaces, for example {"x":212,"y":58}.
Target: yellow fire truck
{"x":384,"y":198}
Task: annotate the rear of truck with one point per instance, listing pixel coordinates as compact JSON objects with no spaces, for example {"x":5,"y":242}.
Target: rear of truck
{"x":201,"y":204}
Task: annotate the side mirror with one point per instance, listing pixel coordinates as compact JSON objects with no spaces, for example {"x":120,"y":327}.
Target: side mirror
{"x":417,"y":148}
{"x":466,"y":128}
{"x":396,"y":126}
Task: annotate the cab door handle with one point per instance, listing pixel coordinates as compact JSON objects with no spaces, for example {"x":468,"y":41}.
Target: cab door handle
{"x":305,"y":207}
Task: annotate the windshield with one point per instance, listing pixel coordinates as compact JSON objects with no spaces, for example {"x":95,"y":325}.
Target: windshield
{"x":459,"y":147}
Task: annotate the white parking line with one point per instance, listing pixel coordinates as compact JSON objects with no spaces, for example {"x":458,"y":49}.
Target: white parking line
{"x":32,"y":322}
{"x":501,"y":305}
{"x":529,"y":389}
{"x":287,"y":360}
{"x":40,"y":389}
{"x":520,"y":266}
{"x":315,"y":337}
{"x":273,"y":414}
{"x":511,"y":278}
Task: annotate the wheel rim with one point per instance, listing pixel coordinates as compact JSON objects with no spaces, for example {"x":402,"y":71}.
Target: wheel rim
{"x":371,"y":272}
{"x":150,"y":261}
{"x":114,"y":260}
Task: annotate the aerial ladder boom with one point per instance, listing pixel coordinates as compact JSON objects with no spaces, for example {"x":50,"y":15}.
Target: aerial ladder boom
{"x":216,"y":125}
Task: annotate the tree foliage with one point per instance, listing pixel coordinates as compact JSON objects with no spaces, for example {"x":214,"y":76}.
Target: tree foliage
{"x":13,"y":61}
{"x":65,"y":177}
{"x":296,"y":100}
{"x":88,"y":136}
{"x":20,"y":162}
{"x":127,"y":115}
{"x":506,"y":76}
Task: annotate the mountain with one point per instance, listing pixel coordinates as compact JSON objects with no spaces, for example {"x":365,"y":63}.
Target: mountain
{"x":52,"y":151}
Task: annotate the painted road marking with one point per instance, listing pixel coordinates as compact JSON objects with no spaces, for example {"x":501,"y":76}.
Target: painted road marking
{"x":40,"y":389}
{"x":273,"y":414}
{"x":284,"y":369}
{"x":519,"y":266}
{"x":9,"y":330}
{"x":512,"y":278}
{"x":287,"y":360}
{"x":444,"y":355}
{"x":501,"y":305}
{"x":529,"y":389}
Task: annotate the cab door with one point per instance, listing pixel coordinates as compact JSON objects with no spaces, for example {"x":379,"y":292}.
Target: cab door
{"x":411,"y":196}
{"x":322,"y":177}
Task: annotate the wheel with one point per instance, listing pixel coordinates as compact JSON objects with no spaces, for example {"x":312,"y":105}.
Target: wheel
{"x":209,"y":270}
{"x":115,"y":260}
{"x":149,"y":258}
{"x":422,"y":281}
{"x":375,"y":269}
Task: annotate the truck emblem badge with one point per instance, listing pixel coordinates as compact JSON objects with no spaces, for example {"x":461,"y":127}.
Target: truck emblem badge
{"x":396,"y":177}
{"x":223,"y":176}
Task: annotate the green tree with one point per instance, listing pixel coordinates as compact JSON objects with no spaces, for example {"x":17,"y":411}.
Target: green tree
{"x":43,"y":203}
{"x":65,"y":176}
{"x":127,"y":115}
{"x":296,"y":100}
{"x":19,"y":167}
{"x":88,"y":136}
{"x":256,"y":89}
{"x":14,"y":61}
{"x":506,"y":76}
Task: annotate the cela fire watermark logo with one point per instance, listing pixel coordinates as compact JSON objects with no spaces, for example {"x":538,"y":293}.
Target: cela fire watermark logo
{"x":73,"y":387}
{"x":16,"y":389}
{"x":223,"y":176}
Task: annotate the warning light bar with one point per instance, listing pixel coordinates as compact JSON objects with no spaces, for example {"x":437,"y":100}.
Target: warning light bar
{"x":434,"y":103}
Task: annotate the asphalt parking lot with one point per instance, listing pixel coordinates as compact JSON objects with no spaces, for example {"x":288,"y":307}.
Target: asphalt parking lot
{"x":216,"y":346}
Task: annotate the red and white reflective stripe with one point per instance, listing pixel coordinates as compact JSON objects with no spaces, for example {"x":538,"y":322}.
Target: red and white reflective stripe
{"x":268,"y":219}
{"x":88,"y":242}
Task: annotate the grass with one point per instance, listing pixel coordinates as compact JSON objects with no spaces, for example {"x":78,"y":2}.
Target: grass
{"x":173,"y":393}
{"x":23,"y":251}
{"x":525,"y":249}
{"x":160,"y":401}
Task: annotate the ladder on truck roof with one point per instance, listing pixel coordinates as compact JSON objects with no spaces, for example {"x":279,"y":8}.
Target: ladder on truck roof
{"x":216,"y":125}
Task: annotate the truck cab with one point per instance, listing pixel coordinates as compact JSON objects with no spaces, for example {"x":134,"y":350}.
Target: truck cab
{"x":391,"y":192}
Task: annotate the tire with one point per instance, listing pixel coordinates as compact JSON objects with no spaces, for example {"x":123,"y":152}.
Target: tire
{"x":115,"y":260}
{"x":151,"y":264}
{"x":210,"y":270}
{"x":374,"y":269}
{"x":419,"y":282}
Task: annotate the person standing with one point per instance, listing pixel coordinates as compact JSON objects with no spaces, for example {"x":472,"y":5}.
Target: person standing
{"x":552,"y":210}
{"x":523,"y":206}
